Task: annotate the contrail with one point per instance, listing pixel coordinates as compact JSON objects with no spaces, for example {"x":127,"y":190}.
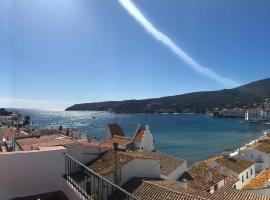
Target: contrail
{"x":137,"y":14}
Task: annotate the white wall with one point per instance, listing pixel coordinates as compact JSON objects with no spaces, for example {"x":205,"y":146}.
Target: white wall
{"x":239,"y":184}
{"x":83,"y":154}
{"x":31,"y":172}
{"x":255,"y":155}
{"x":175,"y":175}
{"x":138,"y":168}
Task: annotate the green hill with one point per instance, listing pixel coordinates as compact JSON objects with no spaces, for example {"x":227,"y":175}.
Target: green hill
{"x":197,"y":102}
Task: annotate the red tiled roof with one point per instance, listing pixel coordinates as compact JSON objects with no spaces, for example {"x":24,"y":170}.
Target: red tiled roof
{"x":33,"y":143}
{"x":149,"y":190}
{"x":115,"y":129}
{"x":139,"y":135}
{"x":197,"y":176}
{"x":229,"y":193}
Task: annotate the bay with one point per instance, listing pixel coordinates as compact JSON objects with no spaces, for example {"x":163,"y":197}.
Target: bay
{"x":192,"y":137}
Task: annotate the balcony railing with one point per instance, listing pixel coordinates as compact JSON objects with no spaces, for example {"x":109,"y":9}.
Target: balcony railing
{"x":90,"y":184}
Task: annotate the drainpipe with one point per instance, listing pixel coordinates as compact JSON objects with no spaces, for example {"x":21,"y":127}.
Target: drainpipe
{"x":115,"y":146}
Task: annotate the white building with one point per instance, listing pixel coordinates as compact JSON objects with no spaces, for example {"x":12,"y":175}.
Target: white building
{"x":259,"y":153}
{"x":129,"y":165}
{"x":203,"y":177}
{"x":143,"y":139}
{"x":242,"y":169}
{"x":259,"y":114}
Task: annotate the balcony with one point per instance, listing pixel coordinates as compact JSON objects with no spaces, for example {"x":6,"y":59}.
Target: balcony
{"x":91,"y":185}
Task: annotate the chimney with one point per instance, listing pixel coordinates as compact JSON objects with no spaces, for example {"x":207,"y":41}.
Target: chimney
{"x":115,"y":146}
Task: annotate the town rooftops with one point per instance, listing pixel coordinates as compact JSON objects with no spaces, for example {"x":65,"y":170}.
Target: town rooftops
{"x":115,"y":129}
{"x":260,"y":181}
{"x":168,"y":163}
{"x":235,"y":164}
{"x":201,"y":176}
{"x":261,"y":146}
{"x":104,"y":163}
{"x":35,"y":142}
{"x":229,"y":193}
{"x":154,"y":190}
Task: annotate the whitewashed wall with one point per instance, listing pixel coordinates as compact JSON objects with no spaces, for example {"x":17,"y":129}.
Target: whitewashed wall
{"x":239,"y":184}
{"x":31,"y":172}
{"x":83,"y":154}
{"x":255,"y":156}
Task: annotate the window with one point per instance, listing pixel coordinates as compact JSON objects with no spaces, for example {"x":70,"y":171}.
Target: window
{"x":247,"y":175}
{"x":243,"y":179}
{"x":251,"y":171}
{"x":234,"y":186}
{"x":208,"y":190}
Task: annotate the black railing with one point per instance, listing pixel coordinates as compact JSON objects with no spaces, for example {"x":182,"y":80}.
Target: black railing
{"x":90,"y":184}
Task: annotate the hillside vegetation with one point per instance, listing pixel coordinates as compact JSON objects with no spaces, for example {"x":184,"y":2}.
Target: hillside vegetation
{"x":196,"y":102}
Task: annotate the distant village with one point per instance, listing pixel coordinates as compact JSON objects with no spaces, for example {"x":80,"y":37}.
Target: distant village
{"x":64,"y":164}
{"x":256,"y":114}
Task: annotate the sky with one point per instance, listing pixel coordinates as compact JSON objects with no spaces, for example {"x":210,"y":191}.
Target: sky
{"x":57,"y":53}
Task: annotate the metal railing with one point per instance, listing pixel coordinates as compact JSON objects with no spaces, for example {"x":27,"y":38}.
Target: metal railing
{"x":90,"y":184}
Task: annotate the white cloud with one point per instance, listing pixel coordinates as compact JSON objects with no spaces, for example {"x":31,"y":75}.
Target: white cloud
{"x":34,"y":104}
{"x":137,"y":14}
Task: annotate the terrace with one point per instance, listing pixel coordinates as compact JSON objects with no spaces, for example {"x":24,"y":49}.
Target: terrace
{"x":50,"y":173}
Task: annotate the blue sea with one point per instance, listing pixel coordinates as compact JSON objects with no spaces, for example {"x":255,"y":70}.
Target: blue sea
{"x":191,"y":137}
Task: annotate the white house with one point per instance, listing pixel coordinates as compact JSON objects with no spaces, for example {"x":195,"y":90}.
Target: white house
{"x":243,"y":170}
{"x":259,"y":153}
{"x":129,"y":165}
{"x":203,"y":177}
{"x":143,"y":139}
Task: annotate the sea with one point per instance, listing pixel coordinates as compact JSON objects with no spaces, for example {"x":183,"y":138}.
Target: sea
{"x":192,"y":137}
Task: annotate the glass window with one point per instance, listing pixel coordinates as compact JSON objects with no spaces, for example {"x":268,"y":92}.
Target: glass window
{"x":251,"y":171}
{"x":247,"y":175}
{"x":243,"y":179}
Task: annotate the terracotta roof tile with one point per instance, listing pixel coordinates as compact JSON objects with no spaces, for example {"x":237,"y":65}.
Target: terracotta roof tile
{"x":229,"y":193}
{"x":149,"y":190}
{"x":104,"y":164}
{"x":235,"y":164}
{"x":33,"y":143}
{"x":115,"y":129}
{"x":197,"y":176}
{"x":261,"y":146}
{"x":168,"y":163}
{"x":260,"y":181}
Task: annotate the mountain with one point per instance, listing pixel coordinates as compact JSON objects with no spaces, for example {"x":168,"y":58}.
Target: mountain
{"x":196,"y":102}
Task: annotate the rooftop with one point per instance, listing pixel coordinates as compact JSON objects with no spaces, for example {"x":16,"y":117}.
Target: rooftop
{"x":260,"y":181}
{"x":33,"y":143}
{"x":168,"y":163}
{"x":152,"y":190}
{"x":115,"y":129}
{"x":261,"y":146}
{"x":229,"y":193}
{"x":104,"y":164}
{"x":235,"y":164}
{"x":36,"y":142}
{"x":198,"y":178}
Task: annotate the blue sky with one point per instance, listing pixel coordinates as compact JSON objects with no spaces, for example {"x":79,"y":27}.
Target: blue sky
{"x":56,"y":53}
